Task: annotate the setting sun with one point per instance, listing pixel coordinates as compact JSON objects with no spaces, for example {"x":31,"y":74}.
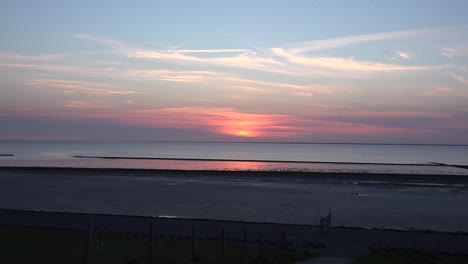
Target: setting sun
{"x":245,"y":133}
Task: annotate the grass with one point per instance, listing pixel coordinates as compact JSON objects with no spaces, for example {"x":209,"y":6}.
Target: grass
{"x":27,"y":245}
{"x":409,"y":258}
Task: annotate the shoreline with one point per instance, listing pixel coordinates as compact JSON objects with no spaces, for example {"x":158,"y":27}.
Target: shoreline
{"x":357,"y":199}
{"x":267,"y":161}
{"x":442,"y":178}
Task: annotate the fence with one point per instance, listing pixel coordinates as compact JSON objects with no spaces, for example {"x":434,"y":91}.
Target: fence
{"x":153,"y":228}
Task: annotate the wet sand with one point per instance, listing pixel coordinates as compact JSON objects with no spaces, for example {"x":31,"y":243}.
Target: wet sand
{"x":364,"y":200}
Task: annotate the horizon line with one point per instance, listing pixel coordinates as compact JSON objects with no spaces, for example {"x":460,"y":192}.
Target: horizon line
{"x":239,"y":142}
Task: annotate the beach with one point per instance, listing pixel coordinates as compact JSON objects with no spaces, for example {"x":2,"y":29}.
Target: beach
{"x":406,"y":202}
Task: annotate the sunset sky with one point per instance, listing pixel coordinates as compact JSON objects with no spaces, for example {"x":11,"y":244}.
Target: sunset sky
{"x":281,"y":71}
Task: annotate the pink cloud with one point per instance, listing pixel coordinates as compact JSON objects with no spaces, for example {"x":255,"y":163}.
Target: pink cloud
{"x":459,"y":78}
{"x":445,"y":91}
{"x":383,"y":114}
{"x":232,"y":122}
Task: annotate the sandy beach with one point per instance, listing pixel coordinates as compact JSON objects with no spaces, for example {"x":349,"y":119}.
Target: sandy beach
{"x":264,"y":205}
{"x":357,"y":200}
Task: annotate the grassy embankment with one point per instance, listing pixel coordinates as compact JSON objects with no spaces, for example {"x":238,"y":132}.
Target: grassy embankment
{"x":409,"y":258}
{"x":26,"y":245}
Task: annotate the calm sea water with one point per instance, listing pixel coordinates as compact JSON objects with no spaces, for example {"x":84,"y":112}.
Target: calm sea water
{"x":281,"y":200}
{"x":60,"y":154}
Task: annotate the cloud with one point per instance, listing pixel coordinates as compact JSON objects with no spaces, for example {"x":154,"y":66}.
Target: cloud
{"x":445,"y":91}
{"x":208,"y":51}
{"x":70,"y":86}
{"x":459,"y":78}
{"x":303,"y":94}
{"x":20,"y":137}
{"x":301,"y":47}
{"x":403,"y":55}
{"x":230,"y":121}
{"x":246,"y":61}
{"x":16,"y":56}
{"x":383,"y":114}
{"x":222,"y":79}
{"x":452,"y":52}
{"x":120,"y":45}
{"x":58,"y":68}
{"x":315,"y":88}
{"x":349,"y":64}
{"x":252,"y":89}
{"x":77,"y":104}
{"x":287,"y":60}
{"x":173,"y":76}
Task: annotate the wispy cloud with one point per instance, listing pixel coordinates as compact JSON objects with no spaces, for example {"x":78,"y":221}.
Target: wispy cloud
{"x":222,"y":79}
{"x":58,"y":68}
{"x":287,"y":60}
{"x":208,"y":51}
{"x":16,"y":56}
{"x":71,"y":86}
{"x":246,"y":60}
{"x":456,"y":51}
{"x":230,"y":121}
{"x":77,"y":104}
{"x":349,"y":63}
{"x":459,"y":78}
{"x":173,"y":76}
{"x":322,"y":89}
{"x":118,"y":45}
{"x":302,"y":94}
{"x":445,"y":91}
{"x":403,"y":55}
{"x":383,"y":114}
{"x":315,"y":45}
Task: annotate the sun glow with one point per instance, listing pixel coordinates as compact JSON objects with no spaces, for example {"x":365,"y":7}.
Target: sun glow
{"x":245,"y":133}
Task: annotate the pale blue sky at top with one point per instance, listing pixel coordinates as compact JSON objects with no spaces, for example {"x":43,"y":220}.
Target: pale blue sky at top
{"x":315,"y":71}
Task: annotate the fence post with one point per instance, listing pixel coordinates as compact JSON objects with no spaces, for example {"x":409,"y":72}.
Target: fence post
{"x":88,"y":242}
{"x":284,"y":239}
{"x":244,"y":246}
{"x":194,"y":246}
{"x":223,"y":243}
{"x":150,"y":242}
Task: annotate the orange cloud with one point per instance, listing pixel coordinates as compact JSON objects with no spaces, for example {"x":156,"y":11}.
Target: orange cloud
{"x":229,"y":121}
{"x":218,"y":120}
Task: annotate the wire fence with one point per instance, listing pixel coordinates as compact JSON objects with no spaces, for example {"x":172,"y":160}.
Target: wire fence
{"x":150,"y":230}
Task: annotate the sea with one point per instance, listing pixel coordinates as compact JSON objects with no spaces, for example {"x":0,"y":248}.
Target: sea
{"x":309,"y":157}
{"x":407,"y":204}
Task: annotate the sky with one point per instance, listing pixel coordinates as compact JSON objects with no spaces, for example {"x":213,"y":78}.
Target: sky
{"x":330,"y":71}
